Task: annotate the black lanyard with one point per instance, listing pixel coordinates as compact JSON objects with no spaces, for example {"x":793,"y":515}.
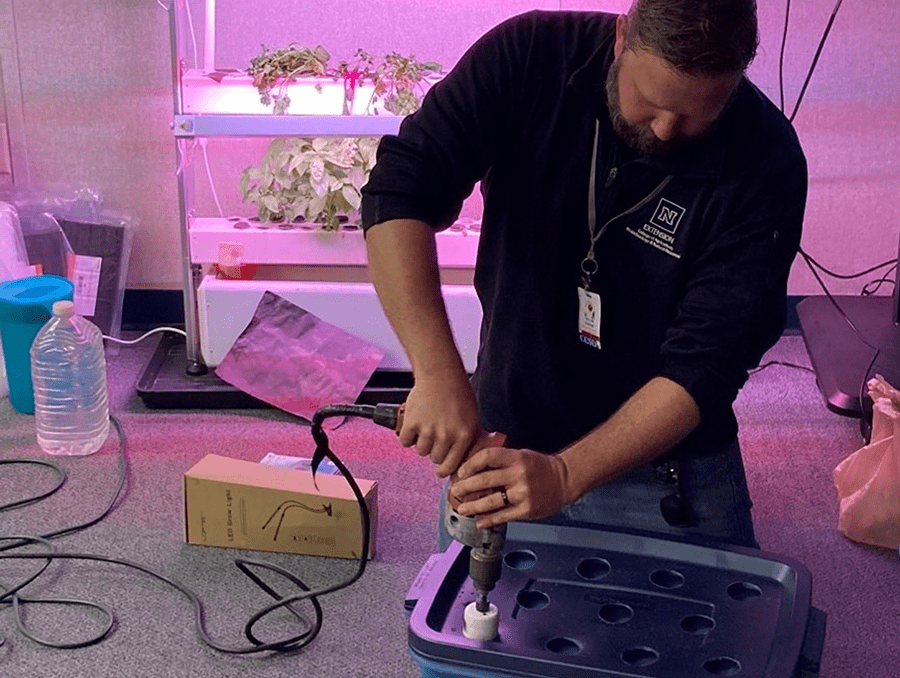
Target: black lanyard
{"x":589,"y":263}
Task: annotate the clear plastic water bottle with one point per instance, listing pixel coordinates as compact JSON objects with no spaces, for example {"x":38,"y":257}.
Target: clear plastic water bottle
{"x":68,"y":371}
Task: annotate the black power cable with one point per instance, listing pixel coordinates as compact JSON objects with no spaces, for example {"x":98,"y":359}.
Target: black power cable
{"x":784,"y":35}
{"x":851,"y":276}
{"x":815,"y":60}
{"x":52,"y":465}
{"x":781,"y":363}
{"x":385,"y":415}
{"x":810,"y":262}
{"x":864,"y":425}
{"x":888,"y":278}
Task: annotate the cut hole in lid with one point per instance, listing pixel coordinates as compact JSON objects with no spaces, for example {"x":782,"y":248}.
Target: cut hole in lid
{"x":698,"y":624}
{"x":520,"y":560}
{"x":667,"y":579}
{"x":563,"y":646}
{"x":616,"y":613}
{"x":722,"y":666}
{"x":533,"y":600}
{"x":593,"y":568}
{"x":744,"y":591}
{"x":640,"y":656}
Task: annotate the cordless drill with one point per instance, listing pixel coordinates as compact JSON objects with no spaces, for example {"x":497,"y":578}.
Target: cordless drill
{"x":486,"y":546}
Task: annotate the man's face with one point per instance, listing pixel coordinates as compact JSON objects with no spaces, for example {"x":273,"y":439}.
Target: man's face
{"x":655,"y":108}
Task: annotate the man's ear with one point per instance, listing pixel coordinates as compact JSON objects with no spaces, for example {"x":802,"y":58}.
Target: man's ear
{"x":621,"y":29}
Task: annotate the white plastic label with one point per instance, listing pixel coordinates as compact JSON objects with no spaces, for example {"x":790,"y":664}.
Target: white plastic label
{"x":84,"y":272}
{"x":589,"y":317}
{"x":301,"y":463}
{"x":4,"y":383}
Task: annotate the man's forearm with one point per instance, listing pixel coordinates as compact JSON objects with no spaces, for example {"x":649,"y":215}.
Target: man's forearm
{"x":404,"y":269}
{"x":649,"y":424}
{"x":441,"y":417}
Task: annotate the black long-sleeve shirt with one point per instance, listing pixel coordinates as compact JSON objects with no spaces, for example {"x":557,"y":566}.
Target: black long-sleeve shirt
{"x":692,"y":282}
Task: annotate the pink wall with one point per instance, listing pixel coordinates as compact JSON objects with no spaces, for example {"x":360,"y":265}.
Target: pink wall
{"x":87,"y":99}
{"x":848,"y":125}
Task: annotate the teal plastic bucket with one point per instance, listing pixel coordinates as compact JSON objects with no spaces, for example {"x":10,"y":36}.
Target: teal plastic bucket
{"x":25,"y":307}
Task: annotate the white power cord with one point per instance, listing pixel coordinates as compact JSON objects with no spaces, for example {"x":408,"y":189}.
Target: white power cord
{"x":129,"y":342}
{"x":212,"y":185}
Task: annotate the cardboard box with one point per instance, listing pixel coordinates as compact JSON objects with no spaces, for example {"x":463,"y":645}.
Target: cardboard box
{"x":244,"y":505}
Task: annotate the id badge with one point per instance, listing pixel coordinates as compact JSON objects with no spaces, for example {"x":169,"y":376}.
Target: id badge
{"x":589,"y":317}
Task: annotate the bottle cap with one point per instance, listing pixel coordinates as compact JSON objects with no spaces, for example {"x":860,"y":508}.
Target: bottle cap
{"x":63,"y":308}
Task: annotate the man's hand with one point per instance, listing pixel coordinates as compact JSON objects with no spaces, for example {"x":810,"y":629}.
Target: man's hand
{"x":441,"y":419}
{"x":536,"y":485}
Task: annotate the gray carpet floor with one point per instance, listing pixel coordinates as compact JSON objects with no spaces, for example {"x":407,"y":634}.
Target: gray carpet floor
{"x":791,"y":444}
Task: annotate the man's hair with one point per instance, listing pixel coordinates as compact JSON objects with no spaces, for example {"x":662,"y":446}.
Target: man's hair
{"x":708,"y":37}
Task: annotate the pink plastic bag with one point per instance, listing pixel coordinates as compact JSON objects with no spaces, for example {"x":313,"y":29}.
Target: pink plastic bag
{"x":868,"y":481}
{"x":294,"y":360}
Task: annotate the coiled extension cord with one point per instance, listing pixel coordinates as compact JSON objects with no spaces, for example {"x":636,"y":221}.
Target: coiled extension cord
{"x":385,"y":415}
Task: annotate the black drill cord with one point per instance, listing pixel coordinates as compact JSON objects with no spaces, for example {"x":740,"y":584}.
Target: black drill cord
{"x":10,"y":595}
{"x":52,"y":465}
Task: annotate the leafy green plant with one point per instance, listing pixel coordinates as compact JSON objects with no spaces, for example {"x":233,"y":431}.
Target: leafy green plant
{"x":318,"y":179}
{"x":280,"y":67}
{"x":397,"y":79}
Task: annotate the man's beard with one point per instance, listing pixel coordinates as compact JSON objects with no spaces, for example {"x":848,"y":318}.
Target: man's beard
{"x":640,"y":139}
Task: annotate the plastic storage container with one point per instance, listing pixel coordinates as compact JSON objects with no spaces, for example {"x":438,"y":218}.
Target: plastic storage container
{"x":13,"y":255}
{"x":584,"y":603}
{"x":25,"y":306}
{"x":68,"y":369}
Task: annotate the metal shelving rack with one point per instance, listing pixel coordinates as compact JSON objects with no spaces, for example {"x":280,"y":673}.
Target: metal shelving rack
{"x":177,"y":375}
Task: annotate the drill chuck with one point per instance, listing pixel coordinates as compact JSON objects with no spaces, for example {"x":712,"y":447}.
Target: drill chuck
{"x":484,"y":569}
{"x":463,"y":529}
{"x":486,"y":555}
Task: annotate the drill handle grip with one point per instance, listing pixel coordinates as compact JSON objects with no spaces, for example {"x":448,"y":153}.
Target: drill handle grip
{"x":389,"y":416}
